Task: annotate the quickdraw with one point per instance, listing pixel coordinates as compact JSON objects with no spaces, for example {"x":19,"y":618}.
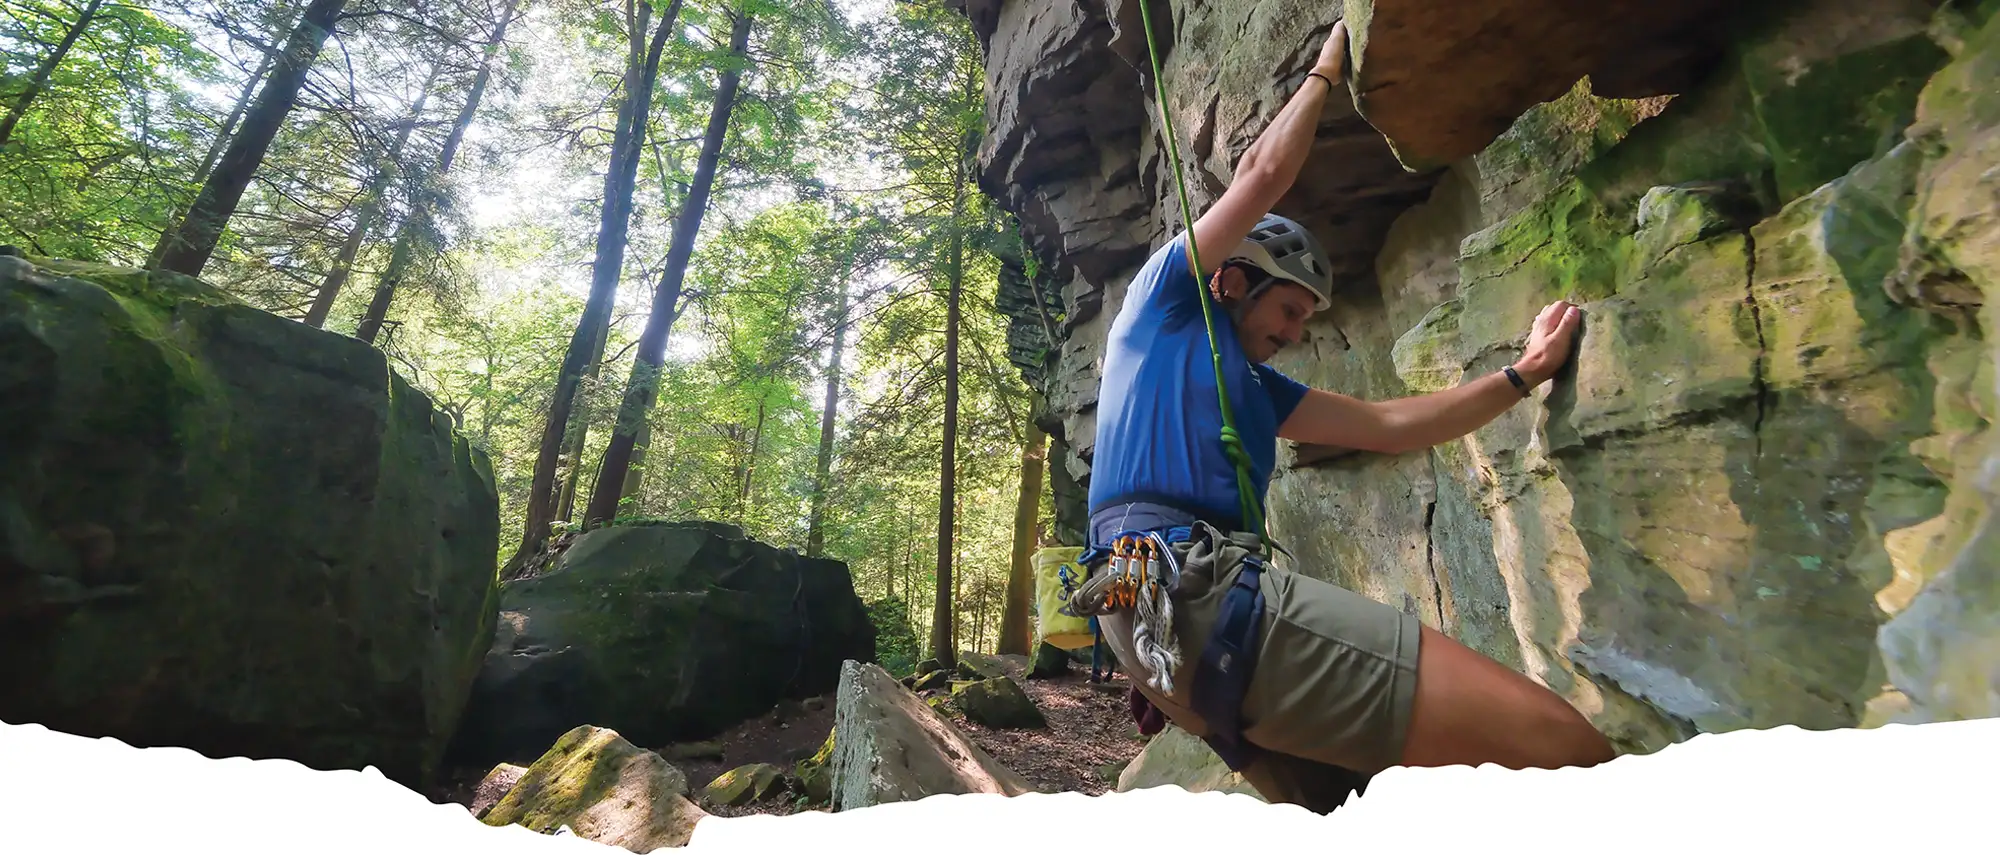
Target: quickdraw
{"x":1133,"y":558}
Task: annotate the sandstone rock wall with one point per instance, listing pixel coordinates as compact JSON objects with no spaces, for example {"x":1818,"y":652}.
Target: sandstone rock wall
{"x":1760,"y":495}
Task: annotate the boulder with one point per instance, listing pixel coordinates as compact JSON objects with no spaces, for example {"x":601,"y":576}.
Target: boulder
{"x":888,"y":746}
{"x":494,"y":787}
{"x":1050,"y":662}
{"x":997,"y":702}
{"x":930,"y":681}
{"x":227,"y":531}
{"x":1175,"y":757}
{"x":604,"y":789}
{"x":666,"y":632}
{"x":973,"y":665}
{"x":745,"y":784}
{"x":815,"y":773}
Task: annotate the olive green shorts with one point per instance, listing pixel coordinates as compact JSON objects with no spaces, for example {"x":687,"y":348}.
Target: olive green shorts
{"x":1336,"y":671}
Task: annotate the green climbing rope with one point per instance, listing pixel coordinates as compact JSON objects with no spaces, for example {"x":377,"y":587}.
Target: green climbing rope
{"x":1232,"y":442}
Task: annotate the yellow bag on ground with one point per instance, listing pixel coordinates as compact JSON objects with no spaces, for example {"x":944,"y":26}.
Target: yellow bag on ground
{"x":1054,"y":627}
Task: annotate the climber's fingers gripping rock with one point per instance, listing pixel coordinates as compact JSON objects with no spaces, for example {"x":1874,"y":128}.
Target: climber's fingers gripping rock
{"x":1333,"y":54}
{"x":1549,"y":341}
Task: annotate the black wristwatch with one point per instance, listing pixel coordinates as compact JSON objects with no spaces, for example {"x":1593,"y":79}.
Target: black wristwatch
{"x":1514,"y":377}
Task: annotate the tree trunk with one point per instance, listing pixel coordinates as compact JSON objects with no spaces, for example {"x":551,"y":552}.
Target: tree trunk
{"x":636,"y":474}
{"x":815,"y":530}
{"x":224,"y":134}
{"x":749,"y":466}
{"x":406,"y":236}
{"x":941,"y":615}
{"x":1021,"y":578}
{"x":186,"y":248}
{"x":371,"y":209}
{"x":613,"y":222}
{"x":579,"y":434}
{"x":41,"y":76}
{"x":644,"y":384}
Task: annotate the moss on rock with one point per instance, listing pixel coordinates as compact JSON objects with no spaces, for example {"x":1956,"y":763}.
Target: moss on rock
{"x":665,"y":631}
{"x":605,"y":789}
{"x":227,"y":531}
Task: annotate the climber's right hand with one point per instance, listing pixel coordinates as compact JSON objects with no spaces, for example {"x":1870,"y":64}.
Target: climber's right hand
{"x":1333,"y":54}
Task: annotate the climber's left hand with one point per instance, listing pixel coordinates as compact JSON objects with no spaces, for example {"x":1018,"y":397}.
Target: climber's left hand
{"x":1549,"y":342}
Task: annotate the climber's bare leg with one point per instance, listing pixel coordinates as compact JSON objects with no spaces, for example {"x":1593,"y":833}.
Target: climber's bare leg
{"x":1471,"y":710}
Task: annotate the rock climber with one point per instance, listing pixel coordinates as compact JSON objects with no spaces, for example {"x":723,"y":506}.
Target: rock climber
{"x":1343,"y":686}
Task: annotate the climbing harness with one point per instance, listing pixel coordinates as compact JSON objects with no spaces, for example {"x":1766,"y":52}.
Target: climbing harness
{"x":1139,"y":577}
{"x":1142,"y":570}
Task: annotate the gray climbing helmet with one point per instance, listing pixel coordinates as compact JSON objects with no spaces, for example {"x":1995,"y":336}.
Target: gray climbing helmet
{"x":1284,"y":249}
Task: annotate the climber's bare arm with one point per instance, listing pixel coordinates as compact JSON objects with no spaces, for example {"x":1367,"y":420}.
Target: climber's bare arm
{"x":1403,"y":424}
{"x":1421,"y":421}
{"x":1272,"y":163}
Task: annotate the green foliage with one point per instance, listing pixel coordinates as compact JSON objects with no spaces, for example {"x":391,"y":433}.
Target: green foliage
{"x":91,"y":170}
{"x":896,"y":648}
{"x":846,"y":181}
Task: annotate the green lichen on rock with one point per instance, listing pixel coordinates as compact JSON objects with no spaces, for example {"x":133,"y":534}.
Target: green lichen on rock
{"x":815,"y":773}
{"x":1550,"y":141}
{"x":1427,"y":357}
{"x":744,"y":785}
{"x":605,"y":789}
{"x":973,"y":665}
{"x":225,"y":530}
{"x":1822,"y":118}
{"x":931,"y":681}
{"x":1654,"y":549}
{"x":1941,"y":648}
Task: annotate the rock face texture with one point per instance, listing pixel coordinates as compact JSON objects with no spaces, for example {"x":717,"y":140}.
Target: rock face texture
{"x":665,"y":632}
{"x":1441,"y":81}
{"x":1762,"y":494}
{"x":226,"y":531}
{"x":1176,"y":758}
{"x":888,"y":746}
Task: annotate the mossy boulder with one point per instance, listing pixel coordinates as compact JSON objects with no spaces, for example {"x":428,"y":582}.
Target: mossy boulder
{"x":744,"y":785}
{"x":998,"y":702}
{"x":604,"y":789}
{"x":973,"y":665}
{"x":1050,"y":662}
{"x":666,"y":632}
{"x":227,"y":531}
{"x":815,"y":773}
{"x":930,"y":681}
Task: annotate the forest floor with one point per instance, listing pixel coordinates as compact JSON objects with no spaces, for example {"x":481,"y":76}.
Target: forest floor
{"x":1090,"y":738}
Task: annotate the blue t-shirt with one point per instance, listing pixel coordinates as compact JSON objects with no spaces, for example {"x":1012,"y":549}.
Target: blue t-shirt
{"x":1159,"y":430}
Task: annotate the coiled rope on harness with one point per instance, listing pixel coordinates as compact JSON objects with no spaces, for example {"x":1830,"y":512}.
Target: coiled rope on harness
{"x":1143,"y":567}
